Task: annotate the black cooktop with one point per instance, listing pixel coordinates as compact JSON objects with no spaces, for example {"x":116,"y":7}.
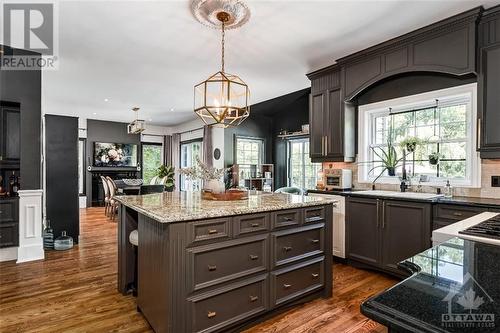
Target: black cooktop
{"x":489,"y":229}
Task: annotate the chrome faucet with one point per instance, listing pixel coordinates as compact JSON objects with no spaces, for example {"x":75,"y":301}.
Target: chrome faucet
{"x":404,"y":179}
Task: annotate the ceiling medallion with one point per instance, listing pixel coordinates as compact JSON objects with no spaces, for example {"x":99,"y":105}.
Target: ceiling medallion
{"x":205,"y":11}
{"x":223,"y":97}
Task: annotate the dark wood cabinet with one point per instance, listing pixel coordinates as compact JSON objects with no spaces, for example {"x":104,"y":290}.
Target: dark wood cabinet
{"x":489,"y":85}
{"x":382,"y":233}
{"x":9,"y":222}
{"x":10,"y":145}
{"x":331,"y":121}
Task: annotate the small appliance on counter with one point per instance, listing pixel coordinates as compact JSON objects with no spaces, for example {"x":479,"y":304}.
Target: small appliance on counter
{"x":337,"y":179}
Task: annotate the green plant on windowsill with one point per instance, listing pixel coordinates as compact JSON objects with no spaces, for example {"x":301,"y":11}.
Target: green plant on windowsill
{"x":167,"y":173}
{"x":388,"y":158}
{"x":410,"y":144}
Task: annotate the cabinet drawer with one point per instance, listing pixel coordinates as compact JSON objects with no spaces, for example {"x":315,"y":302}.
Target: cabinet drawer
{"x":202,"y":231}
{"x":9,"y":234}
{"x":314,"y":214}
{"x":295,"y":281}
{"x":296,"y":244}
{"x":438,"y":224}
{"x":8,"y":211}
{"x":456,"y":213}
{"x":220,"y":308}
{"x":286,"y":218}
{"x":221,"y":262}
{"x":248,"y":224}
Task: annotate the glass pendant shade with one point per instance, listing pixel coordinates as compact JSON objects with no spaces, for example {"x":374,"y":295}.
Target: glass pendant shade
{"x":222,"y":98}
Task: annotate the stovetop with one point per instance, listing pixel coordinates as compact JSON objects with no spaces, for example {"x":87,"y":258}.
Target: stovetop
{"x":489,"y":229}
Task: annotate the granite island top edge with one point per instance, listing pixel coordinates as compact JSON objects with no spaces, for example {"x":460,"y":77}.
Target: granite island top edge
{"x":170,"y":207}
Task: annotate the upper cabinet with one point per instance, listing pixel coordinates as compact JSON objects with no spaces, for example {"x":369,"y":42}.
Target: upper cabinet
{"x":10,"y":137}
{"x":331,"y":121}
{"x":489,"y":84}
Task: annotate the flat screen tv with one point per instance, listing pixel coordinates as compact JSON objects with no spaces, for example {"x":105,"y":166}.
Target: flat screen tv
{"x":115,"y":154}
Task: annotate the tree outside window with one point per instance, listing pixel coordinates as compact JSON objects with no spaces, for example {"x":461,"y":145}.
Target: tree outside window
{"x":301,"y":171}
{"x":152,"y":159}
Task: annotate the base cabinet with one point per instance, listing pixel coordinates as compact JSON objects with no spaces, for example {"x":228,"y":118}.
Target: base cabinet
{"x":382,"y":233}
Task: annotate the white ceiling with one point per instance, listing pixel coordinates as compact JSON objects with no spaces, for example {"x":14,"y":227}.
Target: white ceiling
{"x":151,"y":53}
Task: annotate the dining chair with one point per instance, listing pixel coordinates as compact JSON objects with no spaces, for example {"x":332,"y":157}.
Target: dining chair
{"x":112,"y":194}
{"x":106,"y":194}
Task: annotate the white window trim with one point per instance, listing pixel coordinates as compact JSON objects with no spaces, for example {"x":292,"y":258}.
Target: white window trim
{"x":415,"y":102}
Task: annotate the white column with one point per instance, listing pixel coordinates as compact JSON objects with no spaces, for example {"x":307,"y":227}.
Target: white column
{"x":30,"y":226}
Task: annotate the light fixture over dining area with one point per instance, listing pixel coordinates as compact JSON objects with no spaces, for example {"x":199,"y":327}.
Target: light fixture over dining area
{"x":138,"y":125}
{"x":223,"y":98}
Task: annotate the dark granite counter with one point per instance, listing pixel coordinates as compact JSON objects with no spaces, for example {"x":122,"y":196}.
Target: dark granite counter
{"x":471,"y":201}
{"x":455,"y":287}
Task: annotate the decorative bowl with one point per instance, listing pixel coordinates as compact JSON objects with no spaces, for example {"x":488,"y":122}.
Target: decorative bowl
{"x":133,"y":182}
{"x":229,"y":195}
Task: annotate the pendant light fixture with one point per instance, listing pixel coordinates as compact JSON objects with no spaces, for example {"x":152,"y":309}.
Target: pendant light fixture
{"x":223,"y":98}
{"x":138,"y":125}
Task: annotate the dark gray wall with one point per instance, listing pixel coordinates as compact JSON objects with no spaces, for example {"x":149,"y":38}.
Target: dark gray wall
{"x":106,"y":131}
{"x":24,"y":87}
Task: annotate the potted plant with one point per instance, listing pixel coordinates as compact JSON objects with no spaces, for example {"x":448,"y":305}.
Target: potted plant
{"x":434,"y":158}
{"x":167,"y":175}
{"x":212,"y":177}
{"x":389,"y":158}
{"x":410,"y":144}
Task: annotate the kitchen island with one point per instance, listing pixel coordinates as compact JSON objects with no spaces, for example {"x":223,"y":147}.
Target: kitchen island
{"x":205,"y":266}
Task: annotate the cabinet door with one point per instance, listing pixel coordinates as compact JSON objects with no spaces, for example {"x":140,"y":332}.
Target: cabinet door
{"x":490,"y":143}
{"x":363,"y":237}
{"x":406,"y":231}
{"x":334,"y":125}
{"x":10,"y":122}
{"x":316,"y":124}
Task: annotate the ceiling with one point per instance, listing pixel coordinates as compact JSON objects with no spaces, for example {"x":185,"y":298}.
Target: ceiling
{"x":114,"y":55}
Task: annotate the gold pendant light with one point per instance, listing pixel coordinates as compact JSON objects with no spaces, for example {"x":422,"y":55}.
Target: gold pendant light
{"x":223,"y":97}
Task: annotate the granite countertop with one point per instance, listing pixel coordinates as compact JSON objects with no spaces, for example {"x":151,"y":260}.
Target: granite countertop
{"x":455,"y":288}
{"x":187,"y":206}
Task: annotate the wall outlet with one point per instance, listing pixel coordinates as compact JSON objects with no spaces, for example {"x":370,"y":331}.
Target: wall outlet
{"x":495,"y":181}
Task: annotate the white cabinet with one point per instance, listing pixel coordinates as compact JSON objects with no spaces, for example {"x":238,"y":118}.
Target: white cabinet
{"x":338,"y":223}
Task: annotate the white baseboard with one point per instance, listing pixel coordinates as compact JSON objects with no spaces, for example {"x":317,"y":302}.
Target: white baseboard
{"x":8,"y":254}
{"x":30,"y":253}
{"x":82,"y":202}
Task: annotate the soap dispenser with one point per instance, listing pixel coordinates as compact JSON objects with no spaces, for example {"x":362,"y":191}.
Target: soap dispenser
{"x":448,"y":190}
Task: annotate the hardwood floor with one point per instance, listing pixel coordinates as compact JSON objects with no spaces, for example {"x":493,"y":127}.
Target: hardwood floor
{"x":75,"y":291}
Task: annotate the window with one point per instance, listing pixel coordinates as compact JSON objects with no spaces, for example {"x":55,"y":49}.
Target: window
{"x":189,"y":152}
{"x":81,"y":167}
{"x":152,"y":159}
{"x":248,"y":151}
{"x":301,"y":171}
{"x":443,"y":123}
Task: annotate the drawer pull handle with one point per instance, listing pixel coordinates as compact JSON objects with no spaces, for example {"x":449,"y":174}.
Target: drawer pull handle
{"x":211,"y":314}
{"x":315,"y":275}
{"x":457,"y":214}
{"x":287,"y":286}
{"x":315,"y":241}
{"x":255,"y":225}
{"x":253,"y":298}
{"x":212,"y":268}
{"x":254,"y":257}
{"x":212,"y":231}
{"x":287,"y":248}
{"x":287,"y":219}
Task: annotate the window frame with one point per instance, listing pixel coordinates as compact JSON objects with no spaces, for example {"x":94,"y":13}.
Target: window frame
{"x":301,"y":139}
{"x":158,"y":144}
{"x":446,"y":96}
{"x":262,"y":142}
{"x":186,"y":142}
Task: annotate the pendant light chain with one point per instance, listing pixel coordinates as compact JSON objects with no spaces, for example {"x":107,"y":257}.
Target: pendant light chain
{"x":223,"y":41}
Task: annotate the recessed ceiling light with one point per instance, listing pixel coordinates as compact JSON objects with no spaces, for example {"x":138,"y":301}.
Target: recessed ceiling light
{"x":150,"y":119}
{"x":106,"y":100}
{"x":172,"y":109}
{"x":94,"y":113}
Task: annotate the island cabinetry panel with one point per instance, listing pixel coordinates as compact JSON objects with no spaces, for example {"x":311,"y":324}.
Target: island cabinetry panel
{"x":489,"y":84}
{"x":209,"y":230}
{"x":9,"y":222}
{"x":286,"y":218}
{"x":314,"y":215}
{"x":249,"y":224}
{"x":212,"y":311}
{"x":295,"y":281}
{"x":221,"y":262}
{"x":297,"y":244}
{"x":381,"y":233}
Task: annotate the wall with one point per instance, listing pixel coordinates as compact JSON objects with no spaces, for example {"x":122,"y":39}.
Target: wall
{"x":24,"y":87}
{"x":105,"y":131}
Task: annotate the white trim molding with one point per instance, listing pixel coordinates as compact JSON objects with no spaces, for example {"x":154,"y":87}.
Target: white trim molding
{"x":30,"y":226}
{"x":445,"y":96}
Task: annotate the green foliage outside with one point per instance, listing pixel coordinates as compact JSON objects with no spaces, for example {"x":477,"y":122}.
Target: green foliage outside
{"x":151,"y":161}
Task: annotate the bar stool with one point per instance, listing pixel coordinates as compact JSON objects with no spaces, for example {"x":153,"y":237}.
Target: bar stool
{"x":133,"y":238}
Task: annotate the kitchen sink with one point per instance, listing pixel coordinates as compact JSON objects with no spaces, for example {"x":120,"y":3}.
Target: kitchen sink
{"x":395,"y":194}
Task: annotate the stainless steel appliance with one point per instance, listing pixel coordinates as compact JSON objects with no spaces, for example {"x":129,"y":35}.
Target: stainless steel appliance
{"x":489,"y":229}
{"x":338,"y":179}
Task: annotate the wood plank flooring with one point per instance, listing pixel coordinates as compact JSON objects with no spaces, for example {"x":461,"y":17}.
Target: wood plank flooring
{"x":75,"y":291}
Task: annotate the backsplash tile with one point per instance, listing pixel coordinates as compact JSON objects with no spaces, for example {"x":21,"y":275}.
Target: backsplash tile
{"x":488,"y":168}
